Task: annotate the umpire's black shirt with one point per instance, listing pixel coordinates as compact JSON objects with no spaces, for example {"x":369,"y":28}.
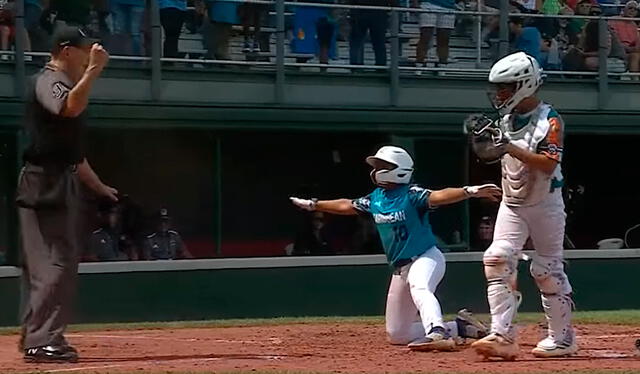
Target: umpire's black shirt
{"x":54,"y":140}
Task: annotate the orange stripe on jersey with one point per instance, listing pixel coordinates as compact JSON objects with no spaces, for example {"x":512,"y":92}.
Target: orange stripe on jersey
{"x":553,"y":148}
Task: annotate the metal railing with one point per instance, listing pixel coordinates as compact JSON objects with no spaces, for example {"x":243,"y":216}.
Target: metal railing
{"x":280,"y":65}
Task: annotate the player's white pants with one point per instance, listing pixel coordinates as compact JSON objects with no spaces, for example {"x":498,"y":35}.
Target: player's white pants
{"x":544,"y":223}
{"x":412,"y":307}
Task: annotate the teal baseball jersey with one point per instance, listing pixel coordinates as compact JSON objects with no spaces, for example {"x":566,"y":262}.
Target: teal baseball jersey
{"x":402,"y":219}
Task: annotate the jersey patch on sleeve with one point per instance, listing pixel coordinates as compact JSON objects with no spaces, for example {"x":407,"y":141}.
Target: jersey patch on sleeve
{"x":552,"y":145}
{"x":59,"y":90}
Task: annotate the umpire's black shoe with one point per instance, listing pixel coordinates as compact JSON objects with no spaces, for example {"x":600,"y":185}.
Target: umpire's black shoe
{"x":50,"y":353}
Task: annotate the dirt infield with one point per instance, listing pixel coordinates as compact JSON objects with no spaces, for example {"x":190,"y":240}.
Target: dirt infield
{"x":343,"y":348}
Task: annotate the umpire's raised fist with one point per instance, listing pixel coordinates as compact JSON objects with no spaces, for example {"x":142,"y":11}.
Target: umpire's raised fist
{"x":98,"y":57}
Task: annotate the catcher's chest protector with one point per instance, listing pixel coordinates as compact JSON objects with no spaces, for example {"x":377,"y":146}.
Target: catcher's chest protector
{"x":522,"y":185}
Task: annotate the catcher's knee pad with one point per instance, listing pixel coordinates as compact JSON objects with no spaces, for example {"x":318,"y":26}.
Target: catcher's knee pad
{"x":500,"y":263}
{"x":548,"y":272}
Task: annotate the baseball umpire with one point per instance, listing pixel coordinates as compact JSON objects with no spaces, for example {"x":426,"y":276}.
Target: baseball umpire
{"x":47,"y":193}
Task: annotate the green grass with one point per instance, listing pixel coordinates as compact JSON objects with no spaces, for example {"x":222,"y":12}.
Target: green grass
{"x":617,"y":317}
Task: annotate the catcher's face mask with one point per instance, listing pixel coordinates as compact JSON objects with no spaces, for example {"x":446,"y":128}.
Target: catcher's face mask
{"x":500,"y":93}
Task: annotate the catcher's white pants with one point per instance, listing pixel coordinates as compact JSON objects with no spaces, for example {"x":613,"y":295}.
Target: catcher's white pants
{"x":544,"y":223}
{"x":412,"y":308}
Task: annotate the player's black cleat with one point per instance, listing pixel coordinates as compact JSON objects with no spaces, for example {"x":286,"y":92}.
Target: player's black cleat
{"x":637,"y":344}
{"x":53,"y":354}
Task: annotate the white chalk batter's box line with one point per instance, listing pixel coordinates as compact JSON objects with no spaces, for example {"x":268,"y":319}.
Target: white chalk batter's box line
{"x":144,"y":337}
{"x":266,"y":357}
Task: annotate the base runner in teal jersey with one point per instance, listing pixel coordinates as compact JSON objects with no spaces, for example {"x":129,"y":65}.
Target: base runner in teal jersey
{"x":401,"y":213}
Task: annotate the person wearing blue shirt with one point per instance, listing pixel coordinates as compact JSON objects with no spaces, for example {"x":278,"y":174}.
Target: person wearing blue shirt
{"x":172,"y":15}
{"x":127,"y":19}
{"x":400,"y":211}
{"x":526,"y":39}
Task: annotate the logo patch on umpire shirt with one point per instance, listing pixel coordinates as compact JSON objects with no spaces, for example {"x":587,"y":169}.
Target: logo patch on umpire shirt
{"x":59,"y":90}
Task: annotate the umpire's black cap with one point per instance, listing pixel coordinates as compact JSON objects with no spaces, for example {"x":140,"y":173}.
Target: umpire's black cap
{"x":70,"y":36}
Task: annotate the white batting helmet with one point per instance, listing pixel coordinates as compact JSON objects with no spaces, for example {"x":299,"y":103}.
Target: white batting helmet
{"x":518,"y":68}
{"x":400,"y":174}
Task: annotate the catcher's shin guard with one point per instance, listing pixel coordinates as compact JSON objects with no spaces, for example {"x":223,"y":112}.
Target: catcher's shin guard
{"x":500,"y":267}
{"x":555,"y":292}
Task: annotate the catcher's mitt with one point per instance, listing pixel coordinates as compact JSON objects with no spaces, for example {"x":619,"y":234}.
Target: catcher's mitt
{"x":488,"y":141}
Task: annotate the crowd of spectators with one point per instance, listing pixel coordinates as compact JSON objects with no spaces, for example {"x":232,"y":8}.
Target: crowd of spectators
{"x":572,"y":44}
{"x":124,"y":26}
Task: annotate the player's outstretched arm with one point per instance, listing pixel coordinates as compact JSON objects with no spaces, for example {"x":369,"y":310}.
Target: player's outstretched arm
{"x":453,"y":195}
{"x":534,"y":160}
{"x":340,"y":206}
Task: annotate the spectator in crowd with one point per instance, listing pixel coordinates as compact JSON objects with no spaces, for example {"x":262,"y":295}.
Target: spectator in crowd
{"x":585,"y":56}
{"x":312,"y":239}
{"x":72,"y":12}
{"x":194,"y":16}
{"x":165,"y":244}
{"x":526,"y":38}
{"x":220,"y":17}
{"x":583,"y":8}
{"x":326,"y":34}
{"x":103,"y":10}
{"x":109,"y":243}
{"x":573,"y":4}
{"x":172,"y":15}
{"x":32,"y":14}
{"x":314,"y":31}
{"x":7,"y":26}
{"x":550,"y":53}
{"x":127,"y":24}
{"x":251,"y":15}
{"x":549,"y":25}
{"x":373,"y":22}
{"x":443,"y":23}
{"x":627,"y":32}
{"x":565,"y":36}
{"x":552,"y":7}
{"x":609,"y":7}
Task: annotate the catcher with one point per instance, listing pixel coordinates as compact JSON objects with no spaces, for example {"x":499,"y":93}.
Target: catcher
{"x":527,"y":140}
{"x":401,"y":213}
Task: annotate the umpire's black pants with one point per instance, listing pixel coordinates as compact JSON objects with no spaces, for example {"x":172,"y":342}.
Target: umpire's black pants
{"x":48,"y":210}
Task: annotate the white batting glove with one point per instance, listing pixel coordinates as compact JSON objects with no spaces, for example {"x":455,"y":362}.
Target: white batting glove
{"x":489,"y":191}
{"x":305,"y":204}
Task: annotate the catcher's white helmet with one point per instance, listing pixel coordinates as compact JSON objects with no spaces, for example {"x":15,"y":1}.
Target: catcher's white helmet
{"x":518,"y":68}
{"x":400,"y":174}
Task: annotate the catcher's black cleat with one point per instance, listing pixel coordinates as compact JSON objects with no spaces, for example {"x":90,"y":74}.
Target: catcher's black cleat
{"x":51,"y":354}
